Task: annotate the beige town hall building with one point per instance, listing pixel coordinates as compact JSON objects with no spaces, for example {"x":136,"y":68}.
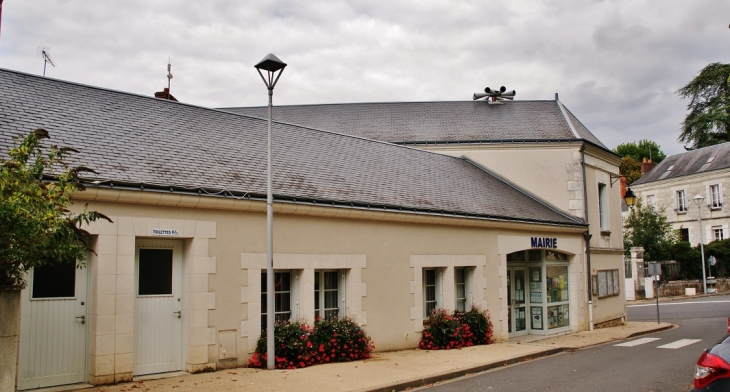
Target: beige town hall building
{"x":382,"y":212}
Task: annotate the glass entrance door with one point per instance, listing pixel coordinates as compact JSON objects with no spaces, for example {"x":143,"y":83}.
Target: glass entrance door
{"x":516,"y":294}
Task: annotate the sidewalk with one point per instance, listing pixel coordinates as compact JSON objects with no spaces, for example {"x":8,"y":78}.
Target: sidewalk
{"x":387,"y":371}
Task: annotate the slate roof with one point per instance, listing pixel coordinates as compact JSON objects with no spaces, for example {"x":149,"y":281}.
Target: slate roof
{"x":696,"y":161}
{"x":133,"y":140}
{"x":457,"y":121}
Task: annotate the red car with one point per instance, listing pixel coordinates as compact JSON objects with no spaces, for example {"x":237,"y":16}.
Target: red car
{"x":712,"y":372}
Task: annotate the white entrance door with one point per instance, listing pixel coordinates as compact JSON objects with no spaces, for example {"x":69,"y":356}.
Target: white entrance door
{"x":158,"y":308}
{"x":516,"y":294}
{"x":53,"y":327}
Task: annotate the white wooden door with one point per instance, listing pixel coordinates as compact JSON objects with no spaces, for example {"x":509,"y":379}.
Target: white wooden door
{"x":158,"y":307}
{"x":53,"y":327}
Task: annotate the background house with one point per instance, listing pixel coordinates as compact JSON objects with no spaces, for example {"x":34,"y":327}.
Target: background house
{"x":671,"y":187}
{"x":675,"y":182}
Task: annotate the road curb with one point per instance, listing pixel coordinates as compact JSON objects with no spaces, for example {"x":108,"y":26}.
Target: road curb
{"x":421,"y":381}
{"x":450,"y":375}
{"x":658,"y":329}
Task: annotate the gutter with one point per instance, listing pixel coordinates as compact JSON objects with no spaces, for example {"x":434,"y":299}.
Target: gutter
{"x":505,"y":141}
{"x":252,"y":196}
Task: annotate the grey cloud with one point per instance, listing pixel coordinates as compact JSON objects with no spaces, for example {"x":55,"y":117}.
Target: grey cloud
{"x":616,"y":64}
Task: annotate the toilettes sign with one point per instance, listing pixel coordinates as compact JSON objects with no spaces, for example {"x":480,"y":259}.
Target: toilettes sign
{"x":166,"y":232}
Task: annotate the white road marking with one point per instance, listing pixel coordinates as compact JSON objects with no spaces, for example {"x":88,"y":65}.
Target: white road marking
{"x":636,"y":342}
{"x":678,"y":303}
{"x":680,"y":343}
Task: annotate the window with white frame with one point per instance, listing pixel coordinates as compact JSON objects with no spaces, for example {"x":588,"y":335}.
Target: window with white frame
{"x":603,"y":206}
{"x":714,"y":196}
{"x":718,"y":233}
{"x":328,"y":285}
{"x":680,"y":201}
{"x":431,"y":290}
{"x":462,"y":280}
{"x":282,"y":296}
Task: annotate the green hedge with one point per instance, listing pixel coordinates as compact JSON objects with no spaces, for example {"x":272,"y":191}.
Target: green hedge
{"x":298,"y":345}
{"x":444,"y":330}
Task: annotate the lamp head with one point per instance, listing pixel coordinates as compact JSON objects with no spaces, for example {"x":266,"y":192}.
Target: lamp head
{"x":270,"y":63}
{"x":698,"y":200}
{"x":630,"y":198}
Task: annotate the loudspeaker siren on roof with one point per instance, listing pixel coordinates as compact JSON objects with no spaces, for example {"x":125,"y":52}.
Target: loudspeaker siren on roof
{"x":496,"y":96}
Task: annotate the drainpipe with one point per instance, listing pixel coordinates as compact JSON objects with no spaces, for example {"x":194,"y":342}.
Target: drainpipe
{"x":587,"y":236}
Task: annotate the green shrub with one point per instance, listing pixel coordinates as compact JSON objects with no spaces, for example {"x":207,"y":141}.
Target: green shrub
{"x":297,"y":345}
{"x":444,"y":330}
{"x":340,"y":340}
{"x":479,"y":325}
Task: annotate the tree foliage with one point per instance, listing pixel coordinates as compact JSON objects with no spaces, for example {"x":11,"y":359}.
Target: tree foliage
{"x":630,"y":169}
{"x":648,"y":228}
{"x":708,"y":120}
{"x":689,"y":259}
{"x":639,"y":150}
{"x":36,"y":227}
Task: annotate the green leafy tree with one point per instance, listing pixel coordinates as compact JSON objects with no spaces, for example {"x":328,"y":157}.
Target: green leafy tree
{"x":708,"y":121}
{"x":36,"y":227}
{"x":630,"y":169}
{"x":648,"y":228}
{"x":639,"y":150}
{"x":721,"y":250}
{"x":689,"y":259}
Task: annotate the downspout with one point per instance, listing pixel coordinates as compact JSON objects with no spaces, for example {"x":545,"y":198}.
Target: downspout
{"x":587,"y":236}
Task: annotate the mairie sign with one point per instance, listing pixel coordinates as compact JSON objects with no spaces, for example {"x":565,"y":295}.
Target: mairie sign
{"x":543,"y":242}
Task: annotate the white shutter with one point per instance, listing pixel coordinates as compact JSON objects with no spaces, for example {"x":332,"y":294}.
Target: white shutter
{"x":439,"y":288}
{"x":724,"y":231}
{"x":675,"y":203}
{"x":708,"y":234}
{"x":709,"y":196}
{"x":719,"y":191}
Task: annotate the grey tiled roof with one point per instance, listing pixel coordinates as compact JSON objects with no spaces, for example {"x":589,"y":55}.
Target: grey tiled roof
{"x":690,"y":162}
{"x":131,"y":140}
{"x":409,"y":122}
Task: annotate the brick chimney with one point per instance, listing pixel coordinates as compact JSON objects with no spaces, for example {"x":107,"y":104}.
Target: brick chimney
{"x":646,"y":166}
{"x":165,"y":94}
{"x":623,"y":186}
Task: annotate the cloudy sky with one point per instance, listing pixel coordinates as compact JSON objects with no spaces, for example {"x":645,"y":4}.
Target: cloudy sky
{"x":615,"y":64}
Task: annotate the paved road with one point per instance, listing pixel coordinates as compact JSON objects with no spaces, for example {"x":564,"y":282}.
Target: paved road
{"x":658,"y":362}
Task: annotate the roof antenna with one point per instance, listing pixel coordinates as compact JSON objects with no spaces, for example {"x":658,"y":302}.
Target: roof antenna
{"x":169,"y":77}
{"x":496,"y":96}
{"x":44,"y":52}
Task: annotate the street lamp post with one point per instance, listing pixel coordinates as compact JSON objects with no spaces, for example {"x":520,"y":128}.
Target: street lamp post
{"x":271,"y":64}
{"x":698,"y":200}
